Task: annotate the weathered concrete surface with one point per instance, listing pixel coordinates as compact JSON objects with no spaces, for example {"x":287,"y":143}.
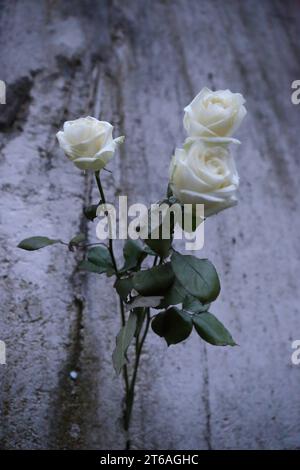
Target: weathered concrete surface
{"x":137,"y":64}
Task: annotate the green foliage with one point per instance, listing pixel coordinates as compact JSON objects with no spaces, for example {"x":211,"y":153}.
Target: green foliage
{"x":75,"y":241}
{"x":98,"y":261}
{"x":140,"y":301}
{"x":148,"y":251}
{"x":123,"y":341}
{"x":134,"y":255}
{"x":198,"y":276}
{"x":191,"y":304}
{"x":35,"y":243}
{"x":86,"y":265}
{"x":178,"y":294}
{"x":160,"y":246}
{"x":124,"y":287}
{"x":140,"y":313}
{"x":154,"y":281}
{"x":91,"y":211}
{"x":212,"y":330}
{"x":169,"y":191}
{"x":174,"y":295}
{"x":185,"y":281}
{"x":173,"y":325}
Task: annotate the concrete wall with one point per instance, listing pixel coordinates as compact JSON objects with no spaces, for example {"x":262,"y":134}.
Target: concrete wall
{"x":137,"y":64}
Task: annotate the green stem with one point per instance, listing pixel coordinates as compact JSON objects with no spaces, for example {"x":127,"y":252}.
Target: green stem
{"x":110,"y":242}
{"x":111,"y":250}
{"x":97,"y":176}
{"x":138,"y":351}
{"x":130,"y":395}
{"x":129,"y":385}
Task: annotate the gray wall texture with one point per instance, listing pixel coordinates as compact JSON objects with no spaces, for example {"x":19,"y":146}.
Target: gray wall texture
{"x":137,"y":64}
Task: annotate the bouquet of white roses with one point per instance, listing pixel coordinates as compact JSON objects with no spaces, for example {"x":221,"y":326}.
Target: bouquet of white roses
{"x":174,"y":295}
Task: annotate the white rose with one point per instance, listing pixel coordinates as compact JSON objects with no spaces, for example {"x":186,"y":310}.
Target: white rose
{"x":204,"y":174}
{"x":88,"y":142}
{"x":214,"y":114}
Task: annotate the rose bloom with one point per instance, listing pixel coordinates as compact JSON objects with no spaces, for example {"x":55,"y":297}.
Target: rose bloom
{"x":214,"y":114}
{"x":88,"y":143}
{"x":204,"y":174}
